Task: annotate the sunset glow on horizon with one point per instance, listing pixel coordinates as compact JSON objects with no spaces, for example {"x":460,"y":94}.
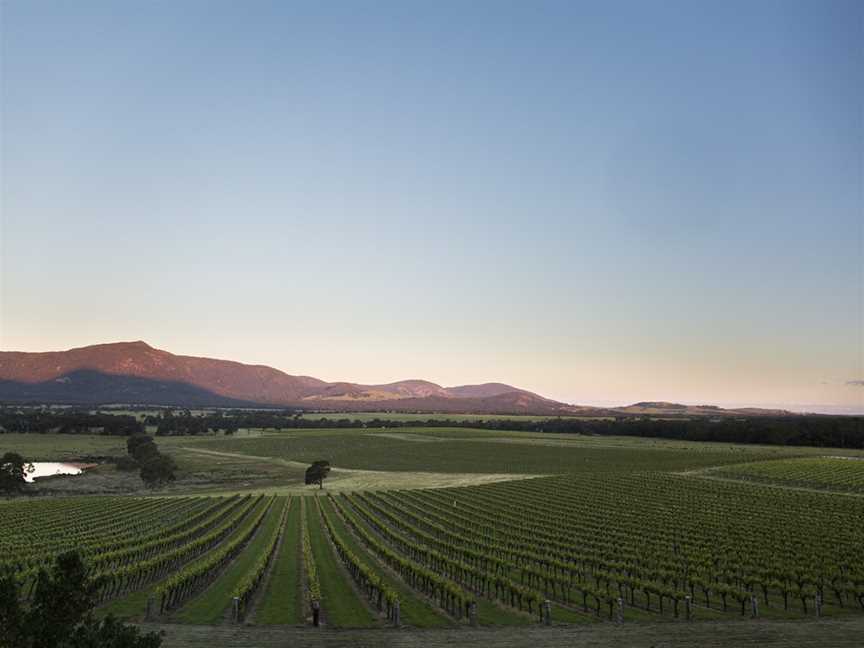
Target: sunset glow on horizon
{"x":598,"y":205}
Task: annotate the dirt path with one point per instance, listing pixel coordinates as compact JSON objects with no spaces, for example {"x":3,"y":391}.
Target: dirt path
{"x":836,"y":633}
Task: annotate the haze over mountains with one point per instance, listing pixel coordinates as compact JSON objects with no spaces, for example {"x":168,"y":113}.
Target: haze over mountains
{"x":136,"y":373}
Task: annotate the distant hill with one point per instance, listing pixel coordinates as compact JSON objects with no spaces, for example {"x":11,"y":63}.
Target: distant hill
{"x":135,"y":372}
{"x":661,"y":408}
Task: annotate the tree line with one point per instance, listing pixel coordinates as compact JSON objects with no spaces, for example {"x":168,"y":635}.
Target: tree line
{"x":24,"y":421}
{"x":800,"y":430}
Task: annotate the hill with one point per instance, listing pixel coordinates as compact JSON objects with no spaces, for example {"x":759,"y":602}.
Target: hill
{"x":136,"y":373}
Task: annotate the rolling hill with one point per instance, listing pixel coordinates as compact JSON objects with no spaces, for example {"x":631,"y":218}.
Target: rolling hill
{"x":136,"y":373}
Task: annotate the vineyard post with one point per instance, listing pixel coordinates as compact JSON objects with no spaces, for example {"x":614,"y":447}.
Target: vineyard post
{"x":754,"y":606}
{"x":472,"y":613}
{"x":547,"y":612}
{"x":688,"y":607}
{"x":316,"y":613}
{"x":818,"y":604}
{"x":396,"y":613}
{"x":148,"y":612}
{"x":620,"y":610}
{"x":235,"y":609}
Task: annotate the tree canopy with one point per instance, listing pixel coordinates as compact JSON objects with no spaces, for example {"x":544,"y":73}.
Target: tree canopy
{"x":59,"y":614}
{"x":13,"y":472}
{"x":317,"y":473}
{"x":156,"y":468}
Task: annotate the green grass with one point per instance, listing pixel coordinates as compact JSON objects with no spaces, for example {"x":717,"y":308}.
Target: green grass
{"x":210,"y":606}
{"x":414,"y":611}
{"x":488,"y":613}
{"x":131,"y":606}
{"x":282,"y":600}
{"x":341,"y":605}
{"x":59,"y":447}
{"x":488,"y":454}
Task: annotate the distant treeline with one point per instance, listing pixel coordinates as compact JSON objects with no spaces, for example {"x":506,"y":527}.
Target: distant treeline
{"x":827,"y":431}
{"x":68,"y":422}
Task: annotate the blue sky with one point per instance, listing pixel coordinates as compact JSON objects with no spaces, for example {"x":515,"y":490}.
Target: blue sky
{"x":604,"y":202}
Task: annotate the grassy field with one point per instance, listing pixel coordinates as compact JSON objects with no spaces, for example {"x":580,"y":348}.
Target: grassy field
{"x":469,"y":454}
{"x":275,"y":461}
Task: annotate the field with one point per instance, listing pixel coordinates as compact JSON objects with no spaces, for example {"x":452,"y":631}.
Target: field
{"x":445,"y":529}
{"x":841,"y":474}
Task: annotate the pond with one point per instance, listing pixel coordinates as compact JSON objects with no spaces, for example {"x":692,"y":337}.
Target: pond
{"x":51,"y":468}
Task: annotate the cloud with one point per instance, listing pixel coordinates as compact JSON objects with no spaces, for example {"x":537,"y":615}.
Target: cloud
{"x":855,"y":383}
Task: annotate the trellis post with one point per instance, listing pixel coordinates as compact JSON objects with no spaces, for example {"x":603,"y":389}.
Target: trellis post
{"x":688,"y":607}
{"x":547,"y":612}
{"x":620,"y":610}
{"x":472,"y":613}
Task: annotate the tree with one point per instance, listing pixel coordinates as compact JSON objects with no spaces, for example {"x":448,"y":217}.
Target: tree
{"x":156,"y":468}
{"x":13,"y":472}
{"x":317,"y":473}
{"x":60,"y":613}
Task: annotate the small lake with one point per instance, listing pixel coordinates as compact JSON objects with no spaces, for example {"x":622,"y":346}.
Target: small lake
{"x":51,"y":468}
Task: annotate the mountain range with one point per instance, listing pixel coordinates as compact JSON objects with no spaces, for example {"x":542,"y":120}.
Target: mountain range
{"x":136,"y":373}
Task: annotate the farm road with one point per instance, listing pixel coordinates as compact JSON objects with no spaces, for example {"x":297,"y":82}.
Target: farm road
{"x":834,"y":633}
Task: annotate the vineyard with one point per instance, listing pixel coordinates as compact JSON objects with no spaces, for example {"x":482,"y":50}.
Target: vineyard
{"x":590,"y":546}
{"x":840,"y":474}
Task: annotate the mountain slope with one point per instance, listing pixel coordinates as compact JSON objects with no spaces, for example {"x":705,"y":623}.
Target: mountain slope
{"x":135,"y":372}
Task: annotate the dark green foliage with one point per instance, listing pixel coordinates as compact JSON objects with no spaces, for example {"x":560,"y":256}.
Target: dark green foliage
{"x":13,"y":469}
{"x":317,"y":473}
{"x":67,"y":422}
{"x":156,"y":468}
{"x":60,"y":613}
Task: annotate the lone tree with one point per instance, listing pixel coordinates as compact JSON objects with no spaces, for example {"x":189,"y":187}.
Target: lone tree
{"x":156,"y":468}
{"x":13,"y":471}
{"x":317,"y":473}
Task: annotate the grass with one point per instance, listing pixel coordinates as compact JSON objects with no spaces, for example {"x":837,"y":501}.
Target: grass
{"x":845,"y":633}
{"x":210,"y":606}
{"x":340,"y":603}
{"x":413,"y":610}
{"x":282,"y":601}
{"x":60,"y":447}
{"x":475,"y":455}
{"x":131,"y":606}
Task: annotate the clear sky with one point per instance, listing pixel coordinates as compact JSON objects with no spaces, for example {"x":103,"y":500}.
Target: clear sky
{"x":604,"y":202}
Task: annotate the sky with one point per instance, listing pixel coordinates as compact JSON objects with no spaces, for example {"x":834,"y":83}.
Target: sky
{"x":604,"y":202}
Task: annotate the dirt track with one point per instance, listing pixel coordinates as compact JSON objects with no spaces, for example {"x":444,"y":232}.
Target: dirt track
{"x":843,"y":633}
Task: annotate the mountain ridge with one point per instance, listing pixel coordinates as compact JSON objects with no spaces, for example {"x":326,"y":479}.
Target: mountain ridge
{"x":137,"y":372}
